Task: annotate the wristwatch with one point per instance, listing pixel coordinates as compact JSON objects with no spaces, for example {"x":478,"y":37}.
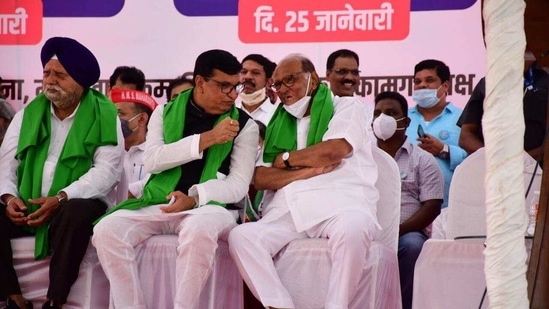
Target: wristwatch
{"x":61,"y":198}
{"x":285,"y":158}
{"x":445,"y":153}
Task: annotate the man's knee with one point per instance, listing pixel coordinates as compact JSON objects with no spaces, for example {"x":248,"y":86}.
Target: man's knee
{"x":356,"y":226}
{"x":104,"y":230}
{"x":410,"y":244}
{"x":243,"y":234}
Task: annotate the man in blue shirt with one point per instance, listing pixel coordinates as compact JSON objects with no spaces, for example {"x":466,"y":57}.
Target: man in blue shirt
{"x":437,"y":118}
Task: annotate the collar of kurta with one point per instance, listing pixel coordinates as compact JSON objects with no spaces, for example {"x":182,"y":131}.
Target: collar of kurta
{"x":281,"y":135}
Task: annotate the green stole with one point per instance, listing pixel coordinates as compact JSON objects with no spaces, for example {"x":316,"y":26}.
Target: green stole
{"x":94,"y":126}
{"x":281,"y":135}
{"x":161,"y":184}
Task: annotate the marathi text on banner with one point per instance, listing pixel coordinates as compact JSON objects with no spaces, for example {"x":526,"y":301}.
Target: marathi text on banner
{"x":20,"y":22}
{"x":323,"y":21}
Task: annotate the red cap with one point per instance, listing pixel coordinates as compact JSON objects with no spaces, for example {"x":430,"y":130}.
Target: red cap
{"x":133,"y":96}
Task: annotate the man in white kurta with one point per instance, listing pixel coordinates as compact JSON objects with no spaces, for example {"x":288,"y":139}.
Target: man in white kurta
{"x":203,"y":120}
{"x":134,"y":110}
{"x":323,"y":189}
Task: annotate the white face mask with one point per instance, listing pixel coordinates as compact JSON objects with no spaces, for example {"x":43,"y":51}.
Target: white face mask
{"x":385,"y":126}
{"x":253,"y":98}
{"x":426,"y":98}
{"x":299,"y":108}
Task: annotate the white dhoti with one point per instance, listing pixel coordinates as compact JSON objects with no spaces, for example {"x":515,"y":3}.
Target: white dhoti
{"x":253,"y":245}
{"x":116,"y":236}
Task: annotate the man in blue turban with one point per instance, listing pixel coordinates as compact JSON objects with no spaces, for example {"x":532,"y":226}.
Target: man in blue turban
{"x":60,"y":159}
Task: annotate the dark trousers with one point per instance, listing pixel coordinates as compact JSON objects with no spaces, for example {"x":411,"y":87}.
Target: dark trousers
{"x":69,"y":233}
{"x":409,"y":248}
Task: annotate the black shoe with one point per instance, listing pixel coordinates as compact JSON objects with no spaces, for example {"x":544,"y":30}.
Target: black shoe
{"x":50,"y":304}
{"x":10,"y":304}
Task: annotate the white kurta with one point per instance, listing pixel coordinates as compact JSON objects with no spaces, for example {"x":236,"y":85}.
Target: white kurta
{"x":136,"y":173}
{"x":97,"y":183}
{"x":350,"y":186}
{"x":116,"y":236}
{"x":340,"y":206}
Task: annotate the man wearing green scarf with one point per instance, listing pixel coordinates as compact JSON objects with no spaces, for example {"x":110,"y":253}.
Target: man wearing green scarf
{"x":318,"y":176}
{"x":60,"y":160}
{"x":201,"y":151}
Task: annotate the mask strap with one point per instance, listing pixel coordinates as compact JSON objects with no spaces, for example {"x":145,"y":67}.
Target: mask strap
{"x":131,"y":119}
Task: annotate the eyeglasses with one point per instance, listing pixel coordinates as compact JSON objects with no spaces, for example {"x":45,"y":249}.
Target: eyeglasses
{"x":344,"y":72}
{"x":287,"y":81}
{"x":226,"y":87}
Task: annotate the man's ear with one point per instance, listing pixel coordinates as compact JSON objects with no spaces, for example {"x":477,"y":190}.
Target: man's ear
{"x":407,"y":122}
{"x":446,"y":84}
{"x":199,"y":82}
{"x":315,"y":80}
{"x":269,"y":82}
{"x":144,"y":119}
{"x":328,"y":72}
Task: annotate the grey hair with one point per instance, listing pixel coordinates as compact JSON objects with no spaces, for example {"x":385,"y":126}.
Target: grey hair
{"x":6,"y":110}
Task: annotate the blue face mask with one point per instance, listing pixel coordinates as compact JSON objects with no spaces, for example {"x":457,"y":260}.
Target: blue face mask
{"x":426,"y":98}
{"x":125,"y":124}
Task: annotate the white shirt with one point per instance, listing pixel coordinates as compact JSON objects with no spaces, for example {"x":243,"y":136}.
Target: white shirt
{"x":350,"y":186}
{"x":136,"y":173}
{"x":263,"y":113}
{"x":231,"y":188}
{"x":97,"y":183}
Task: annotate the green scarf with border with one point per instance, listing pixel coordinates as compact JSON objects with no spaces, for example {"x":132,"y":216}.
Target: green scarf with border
{"x":161,"y":184}
{"x":281,"y":135}
{"x":93,"y":126}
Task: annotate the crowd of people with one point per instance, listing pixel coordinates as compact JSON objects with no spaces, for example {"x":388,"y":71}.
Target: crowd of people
{"x":253,"y":152}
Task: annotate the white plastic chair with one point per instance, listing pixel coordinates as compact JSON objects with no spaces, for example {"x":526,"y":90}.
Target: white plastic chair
{"x":453,"y":271}
{"x":310,"y":258}
{"x":466,"y":209}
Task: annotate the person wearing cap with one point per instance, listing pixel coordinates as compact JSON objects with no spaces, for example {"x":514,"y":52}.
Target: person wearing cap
{"x":134,"y":109}
{"x":200,"y":151}
{"x":60,"y":159}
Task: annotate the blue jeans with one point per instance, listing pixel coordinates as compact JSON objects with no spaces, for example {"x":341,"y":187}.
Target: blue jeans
{"x":409,"y":247}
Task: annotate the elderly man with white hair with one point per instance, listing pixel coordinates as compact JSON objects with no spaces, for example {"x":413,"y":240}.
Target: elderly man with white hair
{"x":61,"y":157}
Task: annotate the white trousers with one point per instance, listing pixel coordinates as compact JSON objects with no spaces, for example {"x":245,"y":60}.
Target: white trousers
{"x":116,"y":236}
{"x":252,"y":246}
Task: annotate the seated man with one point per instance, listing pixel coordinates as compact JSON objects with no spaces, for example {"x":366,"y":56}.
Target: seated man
{"x":422,"y":188}
{"x":201,"y":152}
{"x":319,"y":176}
{"x":60,"y":159}
{"x":535,"y":101}
{"x":134,"y":109}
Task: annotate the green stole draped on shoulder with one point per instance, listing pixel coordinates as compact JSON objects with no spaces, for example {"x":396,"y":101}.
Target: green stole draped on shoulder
{"x":94,"y":126}
{"x":161,"y":184}
{"x":281,"y":132}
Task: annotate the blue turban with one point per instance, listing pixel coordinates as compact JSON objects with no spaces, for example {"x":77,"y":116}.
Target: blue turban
{"x":78,"y":61}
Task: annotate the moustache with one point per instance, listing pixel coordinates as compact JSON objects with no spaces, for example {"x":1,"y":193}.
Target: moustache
{"x":54,"y":87}
{"x":348,"y":81}
{"x":248,"y":82}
